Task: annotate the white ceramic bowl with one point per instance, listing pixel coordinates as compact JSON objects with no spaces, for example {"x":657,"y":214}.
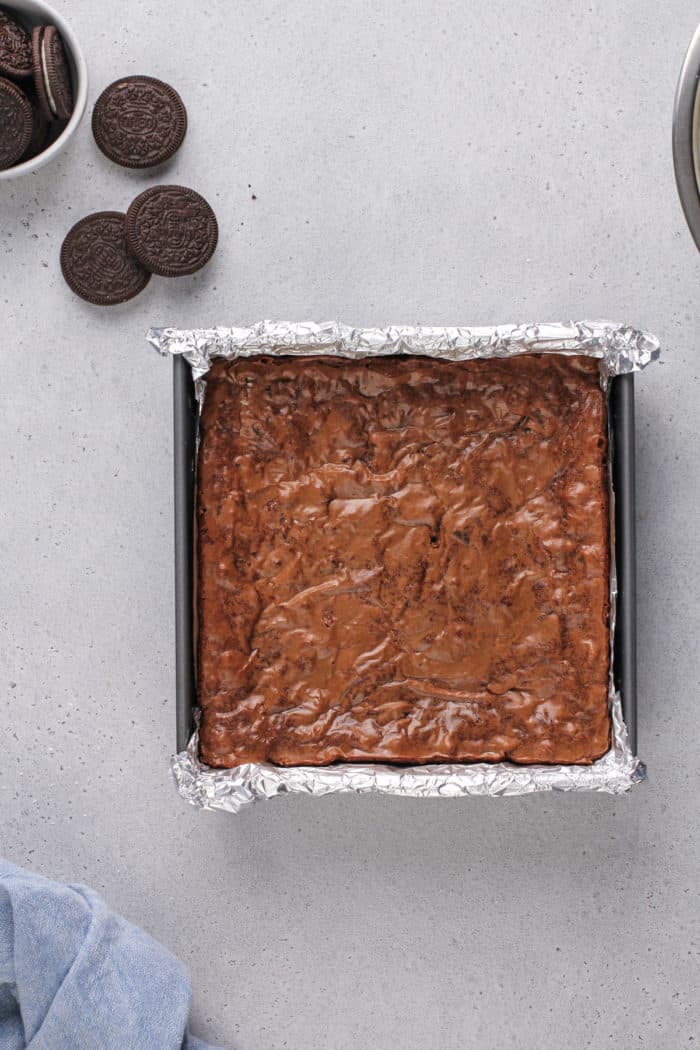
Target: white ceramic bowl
{"x":34,"y":13}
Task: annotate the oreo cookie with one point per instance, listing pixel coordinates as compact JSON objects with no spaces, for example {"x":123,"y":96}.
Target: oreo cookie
{"x":15,"y":48}
{"x":52,"y":78}
{"x":96,"y":262}
{"x":16,"y":123}
{"x":40,"y":130}
{"x":171,"y":230}
{"x":139,"y":122}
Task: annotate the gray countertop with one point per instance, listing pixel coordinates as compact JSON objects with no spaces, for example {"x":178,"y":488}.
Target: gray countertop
{"x":411,"y":162}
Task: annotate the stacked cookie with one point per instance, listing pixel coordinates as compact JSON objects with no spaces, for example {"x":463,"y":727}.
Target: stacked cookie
{"x":109,"y":257}
{"x":36,"y":94}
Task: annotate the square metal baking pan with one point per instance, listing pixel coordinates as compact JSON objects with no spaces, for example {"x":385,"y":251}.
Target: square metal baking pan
{"x":185,"y":421}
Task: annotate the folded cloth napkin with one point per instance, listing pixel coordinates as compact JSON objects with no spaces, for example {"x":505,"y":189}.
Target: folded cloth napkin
{"x":75,"y":976}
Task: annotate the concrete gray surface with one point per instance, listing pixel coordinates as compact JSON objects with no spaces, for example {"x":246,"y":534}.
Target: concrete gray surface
{"x":435,"y":162}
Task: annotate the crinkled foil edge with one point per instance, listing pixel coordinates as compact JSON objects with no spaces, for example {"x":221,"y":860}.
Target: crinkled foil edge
{"x":232,"y":789}
{"x":620,"y":349}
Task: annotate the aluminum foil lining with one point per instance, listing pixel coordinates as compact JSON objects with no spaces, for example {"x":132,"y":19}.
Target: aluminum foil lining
{"x":232,"y":789}
{"x":620,"y":349}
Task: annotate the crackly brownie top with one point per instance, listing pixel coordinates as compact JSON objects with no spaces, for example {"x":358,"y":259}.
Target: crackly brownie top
{"x":403,"y":560}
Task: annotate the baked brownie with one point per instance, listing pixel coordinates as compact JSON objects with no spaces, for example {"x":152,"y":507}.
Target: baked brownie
{"x":403,"y":560}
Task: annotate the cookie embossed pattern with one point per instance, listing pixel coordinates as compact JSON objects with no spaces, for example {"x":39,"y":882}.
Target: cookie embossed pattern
{"x":15,"y":48}
{"x":171,"y":230}
{"x":139,"y":122}
{"x":96,"y":262}
{"x":619,"y":350}
{"x":16,"y":121}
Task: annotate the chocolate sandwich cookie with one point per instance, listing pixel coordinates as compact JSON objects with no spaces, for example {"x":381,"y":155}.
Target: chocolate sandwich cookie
{"x":171,"y":230}
{"x":51,"y":73}
{"x":40,"y":129}
{"x":96,"y":262}
{"x":16,"y":123}
{"x":38,"y":71}
{"x":139,"y":122}
{"x":15,"y":48}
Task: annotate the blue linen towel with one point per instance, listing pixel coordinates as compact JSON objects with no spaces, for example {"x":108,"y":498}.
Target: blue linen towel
{"x":75,"y":976}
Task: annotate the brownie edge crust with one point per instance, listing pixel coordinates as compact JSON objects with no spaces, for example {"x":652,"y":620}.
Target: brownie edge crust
{"x":403,"y":560}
